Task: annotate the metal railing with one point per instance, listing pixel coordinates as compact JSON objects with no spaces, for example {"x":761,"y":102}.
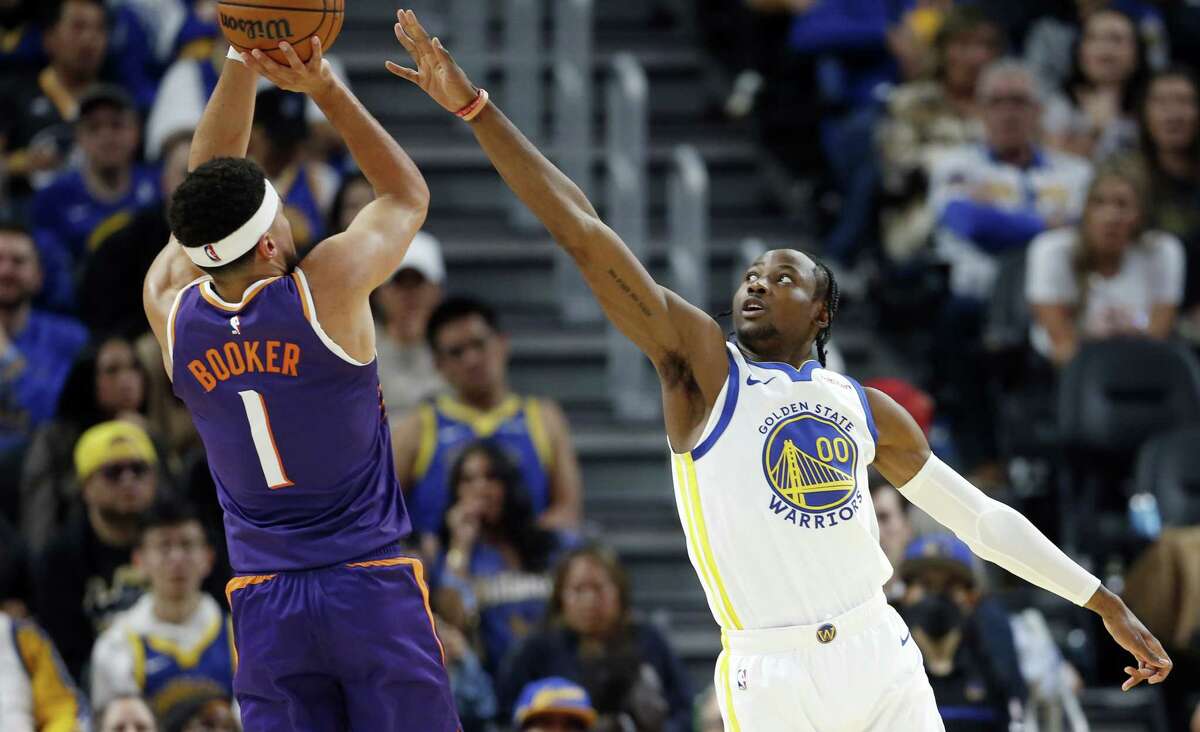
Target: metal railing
{"x":629,"y":374}
{"x":573,"y":138}
{"x":523,"y":93}
{"x":687,"y":221}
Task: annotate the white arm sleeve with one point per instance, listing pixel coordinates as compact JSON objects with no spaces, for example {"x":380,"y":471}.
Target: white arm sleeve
{"x":996,"y":532}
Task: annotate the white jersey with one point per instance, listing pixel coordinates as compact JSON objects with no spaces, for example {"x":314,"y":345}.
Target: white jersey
{"x":774,"y":500}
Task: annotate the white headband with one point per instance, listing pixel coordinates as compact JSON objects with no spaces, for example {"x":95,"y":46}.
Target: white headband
{"x":243,"y":239}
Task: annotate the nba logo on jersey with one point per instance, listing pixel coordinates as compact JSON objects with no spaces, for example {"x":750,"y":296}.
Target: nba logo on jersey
{"x":235,"y":324}
{"x":212,"y":253}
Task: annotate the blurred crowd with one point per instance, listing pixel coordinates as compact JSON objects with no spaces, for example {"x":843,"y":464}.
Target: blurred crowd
{"x":1010,"y":185}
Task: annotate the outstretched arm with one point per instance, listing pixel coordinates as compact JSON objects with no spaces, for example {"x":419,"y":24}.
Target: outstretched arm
{"x":685,"y":345}
{"x":999,"y":534}
{"x":224,"y":131}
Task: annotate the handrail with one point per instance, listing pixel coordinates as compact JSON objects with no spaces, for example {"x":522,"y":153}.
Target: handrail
{"x":573,"y":125}
{"x":629,"y":375}
{"x":687,"y":220}
{"x":523,"y":93}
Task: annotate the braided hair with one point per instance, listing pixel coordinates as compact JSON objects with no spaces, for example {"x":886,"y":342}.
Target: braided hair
{"x":832,"y":296}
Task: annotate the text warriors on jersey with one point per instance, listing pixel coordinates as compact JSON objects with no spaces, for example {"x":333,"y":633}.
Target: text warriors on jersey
{"x":810,"y":460}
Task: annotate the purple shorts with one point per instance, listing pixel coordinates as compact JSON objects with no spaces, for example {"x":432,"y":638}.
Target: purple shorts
{"x":348,"y":647}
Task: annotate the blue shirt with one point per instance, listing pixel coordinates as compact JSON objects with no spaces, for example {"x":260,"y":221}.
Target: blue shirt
{"x":48,"y":345}
{"x":69,"y":223}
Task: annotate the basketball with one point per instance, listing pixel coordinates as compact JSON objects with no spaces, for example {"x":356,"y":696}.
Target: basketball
{"x":249,"y":24}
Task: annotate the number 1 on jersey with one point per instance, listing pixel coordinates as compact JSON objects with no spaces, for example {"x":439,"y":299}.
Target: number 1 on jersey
{"x":264,"y":440}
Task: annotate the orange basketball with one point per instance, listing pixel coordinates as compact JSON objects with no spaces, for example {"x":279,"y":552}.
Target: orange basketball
{"x":249,"y":24}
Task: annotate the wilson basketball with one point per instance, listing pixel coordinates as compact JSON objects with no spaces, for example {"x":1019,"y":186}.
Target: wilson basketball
{"x":250,"y":24}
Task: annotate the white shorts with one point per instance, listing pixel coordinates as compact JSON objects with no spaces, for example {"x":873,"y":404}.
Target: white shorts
{"x":858,"y":672}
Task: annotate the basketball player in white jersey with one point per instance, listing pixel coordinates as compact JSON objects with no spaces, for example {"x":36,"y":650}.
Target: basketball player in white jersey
{"x":770,"y":452}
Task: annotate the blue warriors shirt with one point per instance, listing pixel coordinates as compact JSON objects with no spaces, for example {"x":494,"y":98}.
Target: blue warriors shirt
{"x":774,"y":500}
{"x":168,"y":674}
{"x":448,"y":426}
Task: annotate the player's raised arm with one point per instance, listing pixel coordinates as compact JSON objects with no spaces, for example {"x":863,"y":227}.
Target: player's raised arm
{"x":685,"y":344}
{"x":1001,"y":535}
{"x":366,"y":254}
{"x":223,"y":131}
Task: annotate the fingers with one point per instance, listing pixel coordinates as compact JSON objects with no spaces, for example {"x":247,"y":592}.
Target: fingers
{"x":403,"y":72}
{"x":405,"y":40}
{"x":1136,"y":676}
{"x":314,"y":60}
{"x":293,"y":60}
{"x":414,"y":28}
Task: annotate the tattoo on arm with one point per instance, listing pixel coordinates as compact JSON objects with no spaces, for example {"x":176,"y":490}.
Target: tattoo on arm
{"x":629,"y":291}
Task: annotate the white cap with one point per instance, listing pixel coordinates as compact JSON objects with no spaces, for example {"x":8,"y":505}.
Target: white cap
{"x":425,"y":256}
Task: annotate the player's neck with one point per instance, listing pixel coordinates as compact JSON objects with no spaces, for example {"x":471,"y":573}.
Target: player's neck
{"x":234,"y":288}
{"x":176,"y":610}
{"x":779,"y":354}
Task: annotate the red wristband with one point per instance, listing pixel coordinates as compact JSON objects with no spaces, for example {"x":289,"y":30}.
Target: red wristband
{"x":472,"y":110}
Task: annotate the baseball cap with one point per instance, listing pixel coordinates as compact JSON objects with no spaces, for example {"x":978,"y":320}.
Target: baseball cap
{"x":110,"y":442}
{"x":553,"y":695}
{"x":105,"y":95}
{"x":425,"y":256}
{"x":939,"y":551}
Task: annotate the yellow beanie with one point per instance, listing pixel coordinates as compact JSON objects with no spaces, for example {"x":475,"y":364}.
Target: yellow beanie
{"x":110,"y":442}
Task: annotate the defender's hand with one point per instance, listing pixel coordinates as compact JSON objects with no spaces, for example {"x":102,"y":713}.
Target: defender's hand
{"x":1153,"y":663}
{"x":436,"y":73}
{"x":308,"y":78}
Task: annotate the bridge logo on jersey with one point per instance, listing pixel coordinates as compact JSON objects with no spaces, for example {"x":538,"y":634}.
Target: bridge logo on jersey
{"x":810,"y":461}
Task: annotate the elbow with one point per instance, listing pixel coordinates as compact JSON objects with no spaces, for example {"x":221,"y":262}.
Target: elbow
{"x":576,"y":231}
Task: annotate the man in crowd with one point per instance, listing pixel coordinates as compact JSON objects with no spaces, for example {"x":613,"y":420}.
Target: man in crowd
{"x":964,"y":637}
{"x":74,"y":216}
{"x":407,"y":371}
{"x":554,"y":705}
{"x":472,"y":355}
{"x":86,"y":575}
{"x":36,"y":348}
{"x":36,"y":109}
{"x":175,"y":633}
{"x":989,"y":200}
{"x":110,"y":286}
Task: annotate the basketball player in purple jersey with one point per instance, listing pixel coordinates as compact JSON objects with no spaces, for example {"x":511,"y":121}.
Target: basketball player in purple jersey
{"x":275,"y":362}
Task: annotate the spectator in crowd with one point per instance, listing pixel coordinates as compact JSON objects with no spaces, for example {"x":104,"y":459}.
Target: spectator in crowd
{"x":126,"y":714}
{"x":988,"y":200}
{"x":1110,"y":275}
{"x":106,"y":383}
{"x":174,"y":643}
{"x":472,"y":355}
{"x":39,"y":107}
{"x":553,"y":705}
{"x":592,"y":639}
{"x":75,"y":215}
{"x":35,"y":691}
{"x":895,"y":531}
{"x":964,"y":637}
{"x":498,"y":558}
{"x":204,"y":713}
{"x":36,"y":348}
{"x":1170,"y":124}
{"x":1053,"y":36}
{"x":1094,"y":116}
{"x":86,"y":575}
{"x":926,"y":118}
{"x":110,"y":284}
{"x":474,"y":695}
{"x":402,"y":306}
{"x":277,"y":143}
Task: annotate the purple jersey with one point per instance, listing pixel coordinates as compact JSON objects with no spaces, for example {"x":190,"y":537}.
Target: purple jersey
{"x":295,"y":429}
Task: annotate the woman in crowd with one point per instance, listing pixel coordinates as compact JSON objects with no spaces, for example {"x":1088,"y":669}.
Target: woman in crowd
{"x":592,"y":638}
{"x":497,"y":558}
{"x":1094,"y":117}
{"x":107,"y":382}
{"x":1170,"y":122}
{"x":1110,"y":275}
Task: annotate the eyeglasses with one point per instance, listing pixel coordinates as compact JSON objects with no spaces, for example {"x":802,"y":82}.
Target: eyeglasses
{"x":113,"y":471}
